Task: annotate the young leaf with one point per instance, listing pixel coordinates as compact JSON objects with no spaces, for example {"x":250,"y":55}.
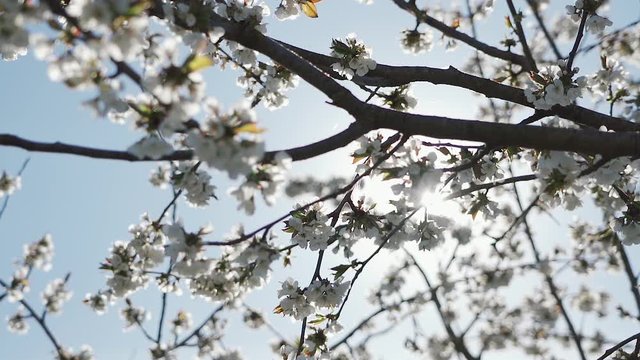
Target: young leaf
{"x":251,"y":128}
{"x":340,"y":270}
{"x":309,"y":8}
{"x":197,"y":62}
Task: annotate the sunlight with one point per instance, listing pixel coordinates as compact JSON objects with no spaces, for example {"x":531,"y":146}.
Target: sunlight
{"x":436,"y":204}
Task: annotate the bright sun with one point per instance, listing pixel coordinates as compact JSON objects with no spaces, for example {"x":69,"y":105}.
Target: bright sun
{"x":436,"y":204}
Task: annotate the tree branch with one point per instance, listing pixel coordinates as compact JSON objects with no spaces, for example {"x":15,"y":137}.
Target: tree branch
{"x":521,"y":36}
{"x":618,"y":346}
{"x":387,"y":75}
{"x":449,"y":31}
{"x":337,"y":141}
{"x":458,"y":342}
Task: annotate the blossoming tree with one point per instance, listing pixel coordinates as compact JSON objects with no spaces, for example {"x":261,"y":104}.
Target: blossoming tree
{"x":547,"y":136}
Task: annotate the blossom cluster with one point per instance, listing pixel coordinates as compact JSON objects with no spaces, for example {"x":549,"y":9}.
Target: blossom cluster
{"x":595,"y":23}
{"x":399,"y":98}
{"x":252,"y":13}
{"x":239,"y":269}
{"x":196,"y":183}
{"x":9,"y":184}
{"x":554,"y":85}
{"x":265,"y":178}
{"x":37,"y":255}
{"x":416,"y":42}
{"x":268,"y":84}
{"x":228,"y":141}
{"x":354,"y":57}
{"x":308,"y":227}
{"x":97,"y":39}
{"x":300,"y":303}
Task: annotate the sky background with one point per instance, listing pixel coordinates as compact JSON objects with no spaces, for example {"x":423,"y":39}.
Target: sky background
{"x":87,"y":204}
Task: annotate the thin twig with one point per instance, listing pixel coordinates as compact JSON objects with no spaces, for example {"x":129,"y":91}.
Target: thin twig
{"x":523,"y":39}
{"x":197,"y":330}
{"x":618,"y":346}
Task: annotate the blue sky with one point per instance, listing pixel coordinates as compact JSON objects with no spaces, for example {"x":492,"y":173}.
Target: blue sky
{"x":88,"y":204}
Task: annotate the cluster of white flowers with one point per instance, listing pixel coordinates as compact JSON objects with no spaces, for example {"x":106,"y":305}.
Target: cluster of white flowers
{"x":400,"y":98}
{"x":229,"y":141}
{"x":252,"y":261}
{"x":37,"y":255}
{"x":160,"y":176}
{"x":54,"y":295}
{"x":241,"y":268}
{"x":133,"y":316}
{"x":595,"y":23}
{"x":300,"y":303}
{"x":125,"y":276}
{"x":17,"y":322}
{"x":9,"y":184}
{"x":557,"y":173}
{"x":431,"y":231}
{"x":542,"y":308}
{"x":242,"y":55}
{"x":611,"y":77}
{"x":98,"y":302}
{"x":308,"y":227}
{"x":293,"y":301}
{"x":414,"y":171}
{"x":587,"y":301}
{"x":268,"y":85}
{"x":253,"y":319}
{"x":252,"y":12}
{"x":554,"y":85}
{"x":14,"y":37}
{"x":416,"y":42}
{"x":389,"y":286}
{"x":267,"y":179}
{"x":358,"y":224}
{"x":354,"y":57}
{"x":182,"y":322}
{"x":151,"y":146}
{"x":196,"y":183}
{"x":129,"y":261}
{"x":369,"y":148}
{"x":288,"y":9}
{"x":441,"y":348}
{"x":396,"y":226}
{"x":85,"y":353}
{"x":628,"y":226}
{"x":326,"y":294}
{"x":184,"y":247}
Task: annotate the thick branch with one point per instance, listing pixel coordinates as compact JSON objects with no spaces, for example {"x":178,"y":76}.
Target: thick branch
{"x":455,"y":34}
{"x":586,"y":141}
{"x":331,"y":143}
{"x":386,"y":75}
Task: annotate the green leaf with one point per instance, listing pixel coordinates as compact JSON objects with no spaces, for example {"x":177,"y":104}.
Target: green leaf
{"x":318,"y":320}
{"x":340,"y":270}
{"x":138,"y":8}
{"x":251,"y":128}
{"x":197,"y":62}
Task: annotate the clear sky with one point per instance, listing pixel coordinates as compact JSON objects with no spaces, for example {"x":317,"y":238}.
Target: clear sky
{"x":87,"y":204}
